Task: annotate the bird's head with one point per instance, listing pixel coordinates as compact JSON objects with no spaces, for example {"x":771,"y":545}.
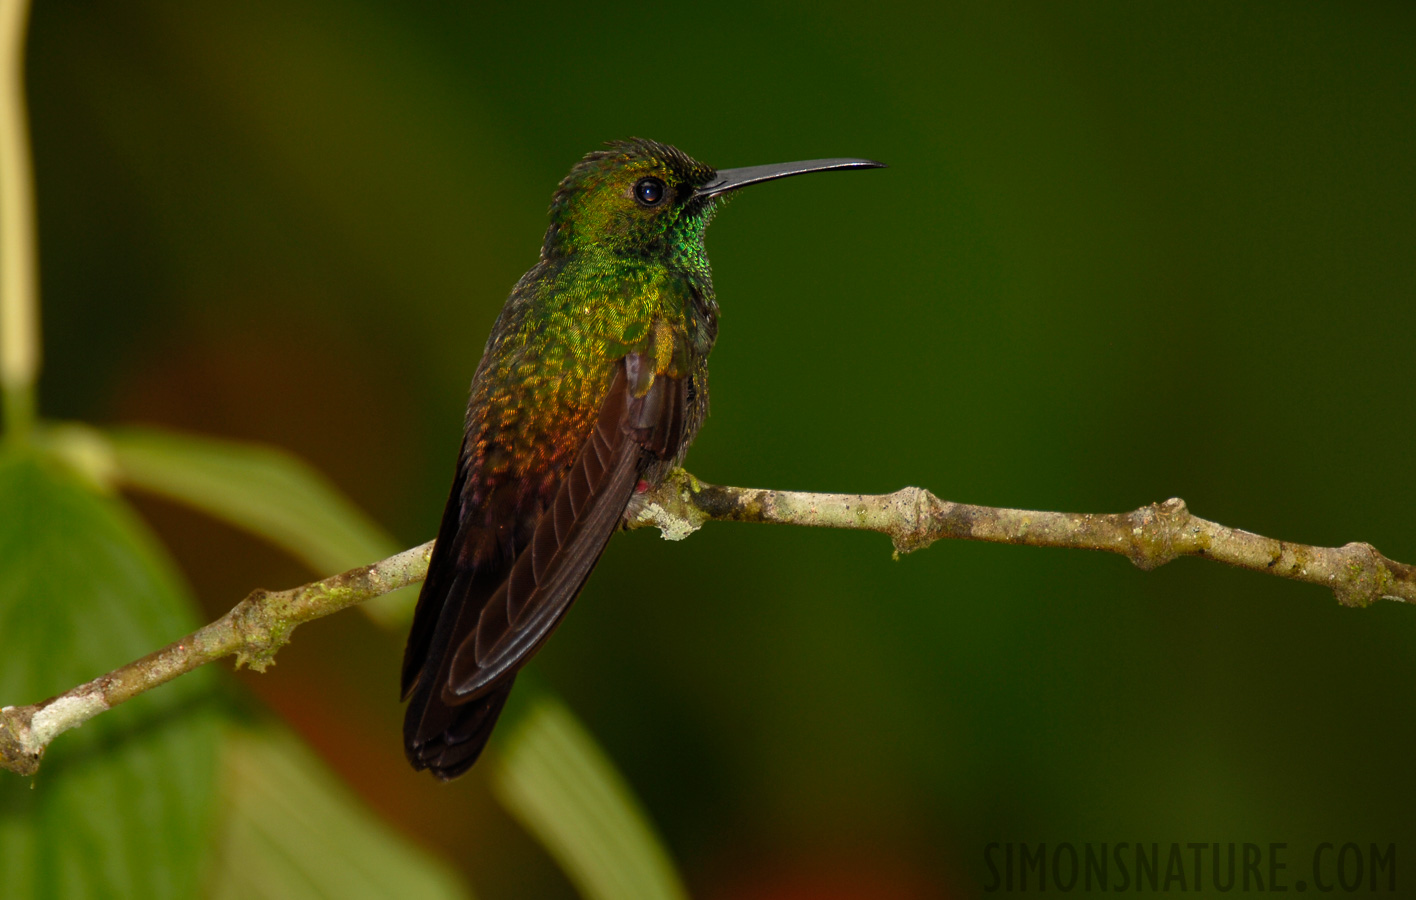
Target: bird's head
{"x":648,"y":201}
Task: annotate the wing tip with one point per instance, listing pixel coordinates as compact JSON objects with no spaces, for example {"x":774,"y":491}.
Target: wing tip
{"x":447,"y":740}
{"x":433,"y":758}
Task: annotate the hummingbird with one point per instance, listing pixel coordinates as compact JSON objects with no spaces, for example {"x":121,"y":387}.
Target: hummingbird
{"x":591,"y":387}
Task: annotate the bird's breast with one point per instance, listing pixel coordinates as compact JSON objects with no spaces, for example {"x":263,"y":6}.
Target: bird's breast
{"x":540,"y":387}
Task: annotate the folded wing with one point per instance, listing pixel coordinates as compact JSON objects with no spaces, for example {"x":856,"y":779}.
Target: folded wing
{"x":478,"y":623}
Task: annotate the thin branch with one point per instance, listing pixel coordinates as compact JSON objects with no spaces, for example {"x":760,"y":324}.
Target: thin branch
{"x":1150,"y":536}
{"x":252,"y":631}
{"x":913,"y":518}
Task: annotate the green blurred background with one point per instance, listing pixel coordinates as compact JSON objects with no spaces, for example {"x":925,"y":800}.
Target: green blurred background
{"x":1123,"y":252}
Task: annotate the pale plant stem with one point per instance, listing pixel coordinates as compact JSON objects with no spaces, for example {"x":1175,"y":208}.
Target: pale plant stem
{"x":913,"y":518}
{"x":19,"y":307}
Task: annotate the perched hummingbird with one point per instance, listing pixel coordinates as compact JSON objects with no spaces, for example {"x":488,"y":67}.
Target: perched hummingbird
{"x":592,"y":385}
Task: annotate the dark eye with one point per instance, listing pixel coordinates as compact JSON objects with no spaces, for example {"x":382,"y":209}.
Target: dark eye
{"x":649,"y":191}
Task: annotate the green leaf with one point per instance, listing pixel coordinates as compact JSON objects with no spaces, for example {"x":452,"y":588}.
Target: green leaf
{"x":259,"y":488}
{"x":123,"y":807}
{"x":267,"y":492}
{"x":557,"y":782}
{"x":294,"y":831}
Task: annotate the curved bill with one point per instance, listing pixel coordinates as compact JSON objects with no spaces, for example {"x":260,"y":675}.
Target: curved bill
{"x":732,"y":179}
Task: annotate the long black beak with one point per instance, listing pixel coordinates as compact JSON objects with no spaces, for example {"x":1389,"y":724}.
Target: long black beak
{"x":732,"y":179}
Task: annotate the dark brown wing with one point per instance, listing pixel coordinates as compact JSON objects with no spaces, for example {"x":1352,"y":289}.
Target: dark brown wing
{"x":492,"y":618}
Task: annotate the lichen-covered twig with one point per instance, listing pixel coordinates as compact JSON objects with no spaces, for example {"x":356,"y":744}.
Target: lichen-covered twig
{"x":1150,"y":536}
{"x":913,"y":518}
{"x":252,"y":631}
